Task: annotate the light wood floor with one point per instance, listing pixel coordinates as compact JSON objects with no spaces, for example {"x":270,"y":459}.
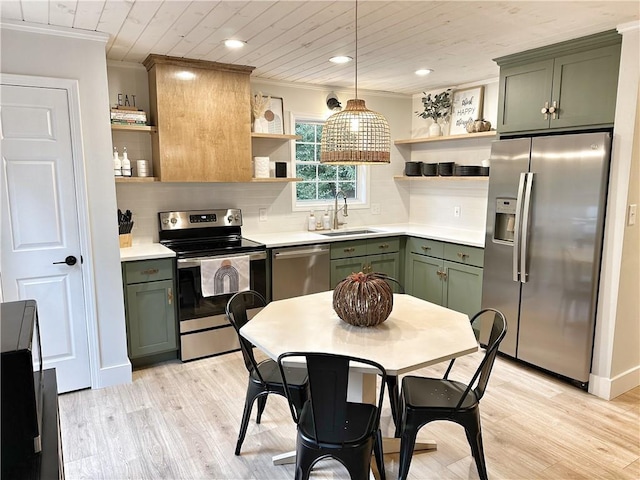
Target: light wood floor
{"x":180,"y":421}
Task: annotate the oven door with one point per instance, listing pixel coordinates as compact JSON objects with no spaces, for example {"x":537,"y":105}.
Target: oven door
{"x":204,"y":328}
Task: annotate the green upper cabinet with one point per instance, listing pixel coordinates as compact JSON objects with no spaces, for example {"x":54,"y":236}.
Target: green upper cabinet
{"x":571,"y":85}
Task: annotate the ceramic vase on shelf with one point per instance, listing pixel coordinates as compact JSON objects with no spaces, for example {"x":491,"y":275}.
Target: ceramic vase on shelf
{"x":435,"y":130}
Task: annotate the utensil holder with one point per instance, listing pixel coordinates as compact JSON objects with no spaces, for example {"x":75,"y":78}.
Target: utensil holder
{"x":125,"y":240}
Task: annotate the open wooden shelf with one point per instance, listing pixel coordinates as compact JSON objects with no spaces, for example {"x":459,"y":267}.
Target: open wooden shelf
{"x":445,"y":178}
{"x":448,"y":138}
{"x":276,"y":180}
{"x":133,"y":128}
{"x":135,"y":179}
{"x":275,"y":136}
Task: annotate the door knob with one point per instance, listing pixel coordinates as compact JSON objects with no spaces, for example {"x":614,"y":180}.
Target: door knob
{"x":70,"y":260}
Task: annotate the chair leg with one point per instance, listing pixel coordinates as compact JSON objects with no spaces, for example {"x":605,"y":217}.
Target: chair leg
{"x":379,"y":454}
{"x":252,"y":393}
{"x":473,"y":429}
{"x":407,"y":444}
{"x":262,"y":402}
{"x":392,"y":387}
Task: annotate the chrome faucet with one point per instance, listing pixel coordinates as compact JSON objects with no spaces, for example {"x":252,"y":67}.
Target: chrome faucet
{"x":336,"y":224}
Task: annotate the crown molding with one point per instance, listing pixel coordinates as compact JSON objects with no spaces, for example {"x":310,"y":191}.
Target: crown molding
{"x":56,"y":31}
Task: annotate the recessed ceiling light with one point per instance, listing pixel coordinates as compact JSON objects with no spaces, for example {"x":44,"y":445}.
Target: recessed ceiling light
{"x":340,"y":59}
{"x":423,"y":71}
{"x":230,"y":43}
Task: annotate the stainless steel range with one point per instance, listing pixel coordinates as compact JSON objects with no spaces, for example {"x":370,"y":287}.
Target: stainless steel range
{"x":201,"y":238}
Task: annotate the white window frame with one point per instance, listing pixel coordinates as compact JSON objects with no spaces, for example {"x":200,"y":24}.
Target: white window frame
{"x":363,"y":183}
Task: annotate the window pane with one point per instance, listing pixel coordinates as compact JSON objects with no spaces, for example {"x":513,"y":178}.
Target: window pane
{"x":304,"y":152}
{"x":327,"y":172}
{"x":347,"y":172}
{"x":306,"y":131}
{"x":349,"y":188}
{"x":307,"y":172}
{"x":326,"y":191}
{"x":306,"y":191}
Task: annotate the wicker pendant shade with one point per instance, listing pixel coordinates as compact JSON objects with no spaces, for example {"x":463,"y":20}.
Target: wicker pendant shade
{"x":355,"y":135}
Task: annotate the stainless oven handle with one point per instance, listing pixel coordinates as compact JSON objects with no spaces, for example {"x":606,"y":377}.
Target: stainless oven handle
{"x":195,"y":262}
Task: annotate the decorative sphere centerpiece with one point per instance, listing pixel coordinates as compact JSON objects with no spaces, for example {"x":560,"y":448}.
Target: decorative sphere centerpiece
{"x":363,"y":299}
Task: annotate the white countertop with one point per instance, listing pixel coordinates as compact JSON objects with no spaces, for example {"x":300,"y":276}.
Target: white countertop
{"x":445,"y":234}
{"x":145,"y":252}
{"x":288,"y":239}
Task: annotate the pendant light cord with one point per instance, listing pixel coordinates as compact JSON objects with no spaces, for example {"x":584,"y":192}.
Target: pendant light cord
{"x":356,"y":62}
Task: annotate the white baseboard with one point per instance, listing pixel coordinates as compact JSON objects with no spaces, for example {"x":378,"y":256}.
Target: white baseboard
{"x":610,"y":388}
{"x":114,"y":375}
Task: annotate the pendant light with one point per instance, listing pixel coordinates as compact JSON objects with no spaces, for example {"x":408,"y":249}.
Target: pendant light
{"x":356,"y":135}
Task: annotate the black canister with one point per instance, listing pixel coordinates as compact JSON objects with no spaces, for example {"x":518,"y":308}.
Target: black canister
{"x":413,"y":169}
{"x":429,"y":169}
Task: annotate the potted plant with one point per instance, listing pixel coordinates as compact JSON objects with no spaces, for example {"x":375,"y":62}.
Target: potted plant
{"x":436,"y":107}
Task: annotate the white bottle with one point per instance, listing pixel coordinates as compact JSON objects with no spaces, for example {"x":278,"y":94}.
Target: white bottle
{"x":126,"y":164}
{"x":312,"y":221}
{"x":326,"y":220}
{"x":117,"y":164}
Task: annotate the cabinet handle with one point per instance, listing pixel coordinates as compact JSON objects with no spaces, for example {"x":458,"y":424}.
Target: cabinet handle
{"x":425,"y":247}
{"x":383,"y":246}
{"x":349,"y":250}
{"x":150,"y":271}
{"x":463,"y":255}
{"x":553,"y":109}
{"x":444,"y":276}
{"x":545,"y":110}
{"x":170,"y":295}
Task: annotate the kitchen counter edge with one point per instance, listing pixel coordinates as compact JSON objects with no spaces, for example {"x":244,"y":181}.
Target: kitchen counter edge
{"x":147,"y":251}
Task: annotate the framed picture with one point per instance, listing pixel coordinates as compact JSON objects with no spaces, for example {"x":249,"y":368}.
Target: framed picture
{"x":274,"y":116}
{"x":465,"y":107}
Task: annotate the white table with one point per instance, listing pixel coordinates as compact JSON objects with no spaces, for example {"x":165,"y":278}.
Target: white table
{"x":416,"y":334}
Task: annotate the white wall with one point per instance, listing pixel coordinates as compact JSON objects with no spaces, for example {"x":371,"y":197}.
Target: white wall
{"x":41,"y":51}
{"x":146,"y":200}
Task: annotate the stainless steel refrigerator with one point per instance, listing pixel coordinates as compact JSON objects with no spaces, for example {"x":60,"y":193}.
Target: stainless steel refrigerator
{"x":543,"y":246}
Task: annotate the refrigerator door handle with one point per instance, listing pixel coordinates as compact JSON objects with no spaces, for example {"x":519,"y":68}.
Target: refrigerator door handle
{"x":516,"y":232}
{"x":525,"y":228}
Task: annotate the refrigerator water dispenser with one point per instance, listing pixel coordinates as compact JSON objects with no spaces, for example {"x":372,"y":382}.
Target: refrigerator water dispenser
{"x":505,"y":220}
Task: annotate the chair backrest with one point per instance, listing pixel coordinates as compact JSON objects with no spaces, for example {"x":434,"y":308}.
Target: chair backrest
{"x":497,"y":333}
{"x":237,"y":307}
{"x":328,"y":384}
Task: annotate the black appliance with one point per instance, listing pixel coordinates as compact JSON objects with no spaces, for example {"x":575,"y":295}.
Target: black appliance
{"x":198,"y":236}
{"x":22,"y":382}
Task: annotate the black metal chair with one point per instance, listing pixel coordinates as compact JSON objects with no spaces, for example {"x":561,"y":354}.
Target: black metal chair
{"x":328,"y":424}
{"x":424,"y":400}
{"x":264,"y":377}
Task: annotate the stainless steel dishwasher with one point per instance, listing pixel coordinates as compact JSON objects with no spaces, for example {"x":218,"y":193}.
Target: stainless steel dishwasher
{"x":299,"y":271}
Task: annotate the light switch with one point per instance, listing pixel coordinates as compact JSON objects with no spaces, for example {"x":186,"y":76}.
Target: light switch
{"x":262,"y":214}
{"x":631,"y":217}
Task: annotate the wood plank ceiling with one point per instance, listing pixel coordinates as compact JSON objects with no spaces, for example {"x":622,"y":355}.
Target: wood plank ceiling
{"x":291,"y":41}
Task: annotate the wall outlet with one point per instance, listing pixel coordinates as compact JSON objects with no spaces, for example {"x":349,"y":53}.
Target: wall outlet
{"x":375,"y":209}
{"x":631,"y":217}
{"x":262,"y":214}
{"x":456,"y":211}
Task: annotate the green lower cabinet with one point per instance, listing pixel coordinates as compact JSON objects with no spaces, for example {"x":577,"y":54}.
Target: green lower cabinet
{"x":452,"y":284}
{"x":150,"y":310}
{"x":357,"y":256}
{"x":463,"y":291}
{"x":425,"y":280}
{"x":151,"y":321}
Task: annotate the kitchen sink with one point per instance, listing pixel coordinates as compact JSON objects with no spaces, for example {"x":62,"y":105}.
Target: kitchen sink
{"x":344,"y":233}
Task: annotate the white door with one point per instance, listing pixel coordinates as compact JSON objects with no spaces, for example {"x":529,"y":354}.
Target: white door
{"x":40,"y":228}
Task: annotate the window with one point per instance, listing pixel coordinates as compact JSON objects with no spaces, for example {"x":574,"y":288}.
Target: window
{"x":321,"y":182}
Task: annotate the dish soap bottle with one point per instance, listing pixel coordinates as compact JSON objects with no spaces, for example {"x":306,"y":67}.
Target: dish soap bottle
{"x":326,"y":220}
{"x":126,"y":164}
{"x":312,"y":221}
{"x":117,"y":164}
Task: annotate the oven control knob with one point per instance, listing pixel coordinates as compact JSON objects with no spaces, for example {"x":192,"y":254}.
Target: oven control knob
{"x":230,"y":218}
{"x":174,"y":220}
{"x":237,"y":217}
{"x":165,"y":221}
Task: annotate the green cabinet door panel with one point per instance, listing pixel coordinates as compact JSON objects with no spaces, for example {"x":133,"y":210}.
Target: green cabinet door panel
{"x":342,"y":268}
{"x":151,"y":321}
{"x":386,"y":263}
{"x":585,"y":86}
{"x":423,"y":280}
{"x":523,"y":92}
{"x":463,"y":292}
